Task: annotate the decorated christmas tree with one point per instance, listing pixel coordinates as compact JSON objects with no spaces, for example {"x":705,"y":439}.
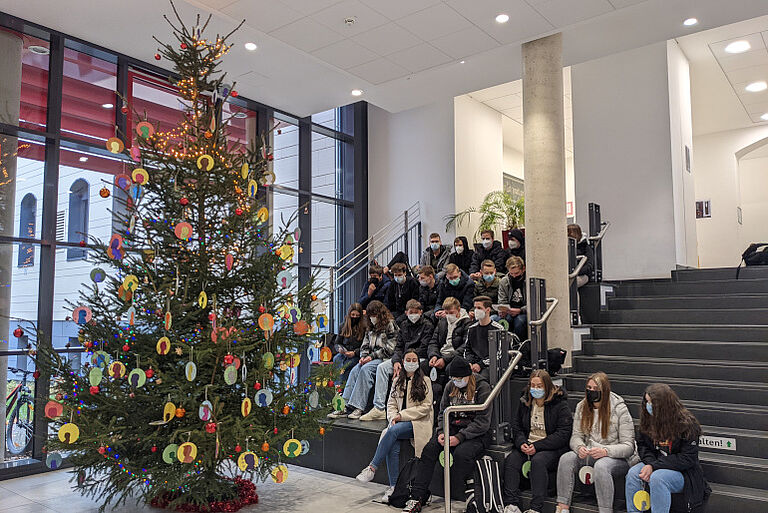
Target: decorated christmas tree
{"x":194,"y":326}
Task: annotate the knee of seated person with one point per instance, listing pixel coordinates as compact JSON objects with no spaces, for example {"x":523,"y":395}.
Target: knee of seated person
{"x":568,"y":458}
{"x":657,"y":480}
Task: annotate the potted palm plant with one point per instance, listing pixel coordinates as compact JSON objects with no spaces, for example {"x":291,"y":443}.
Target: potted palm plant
{"x":498,"y":211}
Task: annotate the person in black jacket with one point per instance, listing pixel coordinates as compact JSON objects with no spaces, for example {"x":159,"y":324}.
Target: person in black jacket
{"x":516,"y":243}
{"x":476,"y":346}
{"x":427,"y":289}
{"x":468,"y":431}
{"x":462,"y":254}
{"x":375,"y":289}
{"x":455,"y":284}
{"x":667,"y":444}
{"x":347,"y":343}
{"x":541,"y":432}
{"x":447,"y":339}
{"x":402,"y":289}
{"x":582,"y":249}
{"x":488,"y":249}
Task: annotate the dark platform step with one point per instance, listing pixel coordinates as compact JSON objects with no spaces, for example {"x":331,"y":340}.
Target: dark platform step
{"x":644,"y":331}
{"x":720,"y":273}
{"x":718,"y":302}
{"x":734,"y":470}
{"x":756,"y":316}
{"x":702,"y":287}
{"x":683,"y":349}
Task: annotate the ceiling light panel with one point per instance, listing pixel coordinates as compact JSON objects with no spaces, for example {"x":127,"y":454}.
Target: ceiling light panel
{"x":434,"y":22}
{"x":561,"y":13}
{"x":263,"y":15}
{"x":365,"y":18}
{"x":524,"y":22}
{"x":396,"y":9}
{"x":387,"y":39}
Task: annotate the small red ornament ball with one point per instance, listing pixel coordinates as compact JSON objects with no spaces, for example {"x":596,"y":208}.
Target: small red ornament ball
{"x":265,"y":447}
{"x":150,"y":373}
{"x":210,"y":427}
{"x":184,"y":202}
{"x":94,"y":390}
{"x":124,"y":109}
{"x":274,"y":431}
{"x":157,"y":57}
{"x":183,"y":46}
{"x":239,"y":211}
{"x":131,"y":395}
{"x":322,"y":430}
{"x":238,"y":448}
{"x":36,"y":374}
{"x":234,"y":94}
{"x":330,"y":383}
{"x":262,"y":309}
{"x":59,"y":397}
{"x":228,"y":359}
{"x":102,"y":449}
{"x":257,"y":386}
{"x":82,"y":243}
{"x":18,"y":332}
{"x":211,"y":316}
{"x":154,"y":448}
{"x":104,"y":192}
{"x":126,"y":347}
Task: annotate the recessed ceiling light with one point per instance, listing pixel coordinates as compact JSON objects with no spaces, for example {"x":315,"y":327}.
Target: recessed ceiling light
{"x":756,"y":87}
{"x":251,"y":46}
{"x":462,"y":62}
{"x":240,"y":115}
{"x":764,"y":117}
{"x":107,"y":105}
{"x":738,"y":47}
{"x":357,"y":92}
{"x":502,"y":18}
{"x":83,"y":159}
{"x":690,"y":22}
{"x":39,"y":50}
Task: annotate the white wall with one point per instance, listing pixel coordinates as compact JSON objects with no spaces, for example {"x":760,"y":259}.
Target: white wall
{"x":479,"y":156}
{"x":410,"y":159}
{"x":753,"y":175}
{"x":513,"y":163}
{"x":623,"y":158}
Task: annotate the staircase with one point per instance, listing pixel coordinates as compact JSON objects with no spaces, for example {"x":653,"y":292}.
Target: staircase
{"x":706,"y":335}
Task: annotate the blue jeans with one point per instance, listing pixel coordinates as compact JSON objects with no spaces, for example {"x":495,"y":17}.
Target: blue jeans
{"x":359,"y":384}
{"x":383,"y":377}
{"x":389,"y":448}
{"x":662,"y":485}
{"x":345,"y":364}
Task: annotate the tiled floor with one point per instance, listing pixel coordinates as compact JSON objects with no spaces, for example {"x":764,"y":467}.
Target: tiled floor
{"x":306,"y":491}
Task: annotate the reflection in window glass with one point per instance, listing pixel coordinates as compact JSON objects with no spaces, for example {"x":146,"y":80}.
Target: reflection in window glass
{"x":284,"y":210}
{"x":77,"y":217}
{"x":326,"y":165}
{"x":89,"y":100}
{"x":329,"y":119}
{"x":324,"y":237}
{"x":155,"y":98}
{"x":286,"y":152}
{"x":34,"y":83}
{"x":27,"y":223}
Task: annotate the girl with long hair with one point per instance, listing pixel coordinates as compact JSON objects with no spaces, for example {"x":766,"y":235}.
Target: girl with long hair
{"x":668,"y":445}
{"x":603,"y":438}
{"x":409,"y":412}
{"x":347,"y":343}
{"x":540,"y":431}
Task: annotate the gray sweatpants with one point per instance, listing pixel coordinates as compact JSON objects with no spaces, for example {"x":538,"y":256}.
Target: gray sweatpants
{"x":605,"y":471}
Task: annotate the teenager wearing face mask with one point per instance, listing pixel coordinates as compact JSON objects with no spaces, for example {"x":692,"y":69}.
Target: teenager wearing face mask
{"x":378,"y":346}
{"x":402,"y":289}
{"x":347,"y":343}
{"x":448,"y":338}
{"x":455,"y":284}
{"x":512,"y":293}
{"x":487,"y":249}
{"x":476,"y":346}
{"x":427,"y":289}
{"x":462,"y":254}
{"x":541,"y":431}
{"x":488,"y":284}
{"x":409,"y":415}
{"x":468,"y":431}
{"x":603,"y":438}
{"x":376,"y":288}
{"x":415,"y":334}
{"x":582,"y":249}
{"x":436,"y":254}
{"x":516,"y":243}
{"x":667,"y":443}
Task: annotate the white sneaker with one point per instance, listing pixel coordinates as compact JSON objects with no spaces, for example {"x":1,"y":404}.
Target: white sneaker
{"x":355,"y":415}
{"x":509,"y":508}
{"x":387,"y":494}
{"x":337,"y":414}
{"x":374,"y":414}
{"x":531,"y":511}
{"x":366,"y":475}
{"x":412,"y":506}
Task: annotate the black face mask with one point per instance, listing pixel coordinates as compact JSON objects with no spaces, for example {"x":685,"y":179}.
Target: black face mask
{"x":355,"y":320}
{"x":594,"y":396}
{"x":374,"y":281}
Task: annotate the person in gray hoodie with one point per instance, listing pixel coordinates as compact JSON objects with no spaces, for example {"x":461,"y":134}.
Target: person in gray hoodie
{"x":436,"y":254}
{"x":603,"y":438}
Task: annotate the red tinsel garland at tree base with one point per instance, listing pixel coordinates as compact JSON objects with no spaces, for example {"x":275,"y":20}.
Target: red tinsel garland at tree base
{"x":246,"y":494}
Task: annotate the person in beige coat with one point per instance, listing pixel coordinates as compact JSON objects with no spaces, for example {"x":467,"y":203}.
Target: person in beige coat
{"x":603,"y":438}
{"x":410,"y":416}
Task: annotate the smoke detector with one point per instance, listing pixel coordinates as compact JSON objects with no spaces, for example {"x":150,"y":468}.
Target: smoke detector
{"x":39,"y":50}
{"x":349,"y":21}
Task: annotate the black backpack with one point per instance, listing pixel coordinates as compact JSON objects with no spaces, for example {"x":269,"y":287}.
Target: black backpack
{"x":487,"y":497}
{"x":404,"y":484}
{"x":755,"y":254}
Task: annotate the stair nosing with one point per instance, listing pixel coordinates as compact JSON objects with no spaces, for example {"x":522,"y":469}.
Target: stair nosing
{"x":714,"y":406}
{"x":675,"y":381}
{"x":666,"y":361}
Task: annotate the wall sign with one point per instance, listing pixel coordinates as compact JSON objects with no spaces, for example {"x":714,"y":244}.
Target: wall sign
{"x":717,"y":442}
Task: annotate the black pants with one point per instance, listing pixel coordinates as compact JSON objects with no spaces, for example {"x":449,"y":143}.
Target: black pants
{"x":541,"y":464}
{"x":464,"y":456}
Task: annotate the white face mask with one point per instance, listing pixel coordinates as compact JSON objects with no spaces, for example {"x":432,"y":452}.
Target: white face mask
{"x":410,"y":366}
{"x":459,"y":382}
{"x":479,"y":314}
{"x":373,"y":320}
{"x":514,"y":243}
{"x":487,"y":243}
{"x":459,"y":249}
{"x":451,"y":318}
{"x":414,"y":318}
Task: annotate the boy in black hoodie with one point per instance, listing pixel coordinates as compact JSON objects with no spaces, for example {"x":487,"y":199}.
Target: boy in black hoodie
{"x":488,"y":249}
{"x":469,"y":435}
{"x":402,"y":289}
{"x":476,"y":346}
{"x":462,"y":254}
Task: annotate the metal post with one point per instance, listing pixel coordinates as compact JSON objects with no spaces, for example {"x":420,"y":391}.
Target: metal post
{"x":595,"y":225}
{"x":405,"y":237}
{"x":573,"y":288}
{"x":538,"y":305}
{"x":499,"y":344}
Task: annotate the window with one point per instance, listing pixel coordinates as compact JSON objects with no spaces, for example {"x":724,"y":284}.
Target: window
{"x":34,"y":83}
{"x":27,"y":221}
{"x":286,"y":154}
{"x":77,"y":222}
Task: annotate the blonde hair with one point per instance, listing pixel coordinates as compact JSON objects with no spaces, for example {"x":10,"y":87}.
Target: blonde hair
{"x":451,"y":302}
{"x":468,"y":391}
{"x":603,"y":412}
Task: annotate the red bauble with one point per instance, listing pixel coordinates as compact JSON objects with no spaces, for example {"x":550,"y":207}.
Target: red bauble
{"x":82,"y":243}
{"x":131,"y":395}
{"x":264,"y":447}
{"x":124,"y":109}
{"x":126,"y":347}
{"x":210,"y":427}
{"x":234,"y":94}
{"x":274,"y":431}
{"x":102,"y":449}
{"x":330,"y":383}
{"x":18,"y":332}
{"x":183,"y":46}
{"x":184,"y":202}
{"x":157,"y":57}
{"x":239,"y":211}
{"x":257,"y":386}
{"x":94,"y":390}
{"x":262,"y":309}
{"x":238,"y":448}
{"x":36,"y":374}
{"x":211,"y":316}
{"x":229,"y":359}
{"x":154,"y":448}
{"x":150,"y":373}
{"x":59,"y":397}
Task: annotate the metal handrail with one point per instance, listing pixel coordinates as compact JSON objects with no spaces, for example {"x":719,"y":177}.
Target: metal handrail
{"x":597,"y":239}
{"x":553,"y":304}
{"x":469,"y":407}
{"x":582,"y":260}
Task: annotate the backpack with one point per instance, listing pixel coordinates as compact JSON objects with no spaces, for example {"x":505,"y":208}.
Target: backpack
{"x":755,"y":254}
{"x":487,"y":496}
{"x":404,"y":483}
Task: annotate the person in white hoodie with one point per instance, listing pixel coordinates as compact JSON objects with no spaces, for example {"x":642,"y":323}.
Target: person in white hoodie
{"x":603,"y":438}
{"x":448,"y":340}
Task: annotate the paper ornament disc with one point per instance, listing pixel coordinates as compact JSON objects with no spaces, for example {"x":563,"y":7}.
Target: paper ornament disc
{"x":140,"y":176}
{"x":293,"y":360}
{"x":100,"y":359}
{"x":163,"y":345}
{"x":262,"y":215}
{"x":301,"y":328}
{"x":190,"y":371}
{"x":314,"y":399}
{"x":82,"y":315}
{"x":526,"y":468}
{"x":246,"y":406}
{"x":244,"y":171}
{"x":145,"y":129}
{"x":69,"y":433}
{"x":318,"y":307}
{"x":187,"y":452}
{"x":205,"y":162}
{"x":284,"y":278}
{"x":263,"y":398}
{"x":53,"y":409}
{"x":504,"y":323}
{"x":169,"y":453}
{"x":585,"y":475}
{"x":205,"y":412}
{"x":53,"y":460}
{"x":325,"y":354}
{"x":131,"y":283}
{"x":248,"y":461}
{"x":230,"y":375}
{"x":433,"y":374}
{"x":338,"y":402}
{"x":95,"y":376}
{"x":123,"y":181}
{"x":292,"y":448}
{"x":98,"y":275}
{"x":116,"y":369}
{"x":202,"y":299}
{"x":294,"y":314}
{"x":229,"y":261}
{"x":442,"y":459}
{"x":253,"y":188}
{"x":169,"y":411}
{"x":279,"y":473}
{"x":642,"y":500}
{"x":304,"y":447}
{"x":183,"y":230}
{"x":115,"y":145}
{"x":115,"y":250}
{"x":268,"y":360}
{"x":266,"y":322}
{"x":137,"y":378}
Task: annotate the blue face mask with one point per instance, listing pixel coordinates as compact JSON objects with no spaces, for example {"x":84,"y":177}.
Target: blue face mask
{"x":649,"y":408}
{"x":454,"y":281}
{"x":435,"y":246}
{"x":400,"y":279}
{"x":488,"y":277}
{"x":537,"y":393}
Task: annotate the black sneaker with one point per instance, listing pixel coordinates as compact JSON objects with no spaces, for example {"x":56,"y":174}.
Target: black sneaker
{"x":412,"y":506}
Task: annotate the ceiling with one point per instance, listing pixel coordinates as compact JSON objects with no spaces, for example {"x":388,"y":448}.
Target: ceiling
{"x":401,"y":53}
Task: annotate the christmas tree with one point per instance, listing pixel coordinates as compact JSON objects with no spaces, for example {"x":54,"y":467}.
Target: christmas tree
{"x":193,"y":324}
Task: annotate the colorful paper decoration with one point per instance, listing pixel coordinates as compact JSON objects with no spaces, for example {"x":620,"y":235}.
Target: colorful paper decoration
{"x":115,"y":249}
{"x":301,"y":328}
{"x":183,"y":230}
{"x":205,"y":161}
{"x":585,"y":475}
{"x":297,"y":234}
{"x":325,"y":354}
{"x":168,"y":320}
{"x":262,"y":215}
{"x":230,"y":375}
{"x":140,"y":176}
{"x":135,"y":153}
{"x":190,"y":371}
{"x":134,"y":191}
{"x":279,"y":473}
{"x":267,"y":178}
{"x":433,"y":374}
{"x":253,"y":188}
{"x":292,"y":448}
{"x":321,"y":321}
{"x":169,"y":412}
{"x":69,"y":433}
{"x":100,"y":359}
{"x":137,"y":378}
{"x":82,"y":315}
{"x":642,"y":500}
{"x":95,"y":376}
{"x":294,"y":314}
{"x":116,"y":369}
{"x":266,"y":322}
{"x":163,"y":345}
{"x":284,"y":278}
{"x":263,"y":398}
{"x":131,"y":282}
{"x":202,"y":299}
{"x":268,"y":359}
{"x":169,"y":453}
{"x":130,"y":315}
{"x":187,"y":452}
{"x":293,"y":360}
{"x":442,"y":459}
{"x":338,"y":402}
{"x":205,"y":412}
{"x":244,"y":171}
{"x":104,"y":192}
{"x":145,"y":129}
{"x":526,"y":468}
{"x":248,"y":461}
{"x":285,"y":252}
{"x":98,"y":275}
{"x":115,"y":145}
{"x":314,"y":399}
{"x":304,"y":447}
{"x":504,"y":323}
{"x":246,"y":406}
{"x":53,"y":460}
{"x":53,"y":409}
{"x":125,"y":295}
{"x":229,"y":261}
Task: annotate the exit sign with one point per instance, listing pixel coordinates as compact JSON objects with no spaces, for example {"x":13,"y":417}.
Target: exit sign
{"x":717,"y":442}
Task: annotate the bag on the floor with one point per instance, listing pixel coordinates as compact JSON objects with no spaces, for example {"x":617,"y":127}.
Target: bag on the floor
{"x":487,"y":496}
{"x":755,"y":254}
{"x":404,"y":484}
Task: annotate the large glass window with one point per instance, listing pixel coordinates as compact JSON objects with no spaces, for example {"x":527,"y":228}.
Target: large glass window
{"x":34,"y":82}
{"x":286,"y":154}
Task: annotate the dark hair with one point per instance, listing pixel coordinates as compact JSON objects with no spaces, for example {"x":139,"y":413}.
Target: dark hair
{"x":549,"y":388}
{"x":574,"y":231}
{"x":427,"y":269}
{"x":670,"y":420}
{"x":383,"y":315}
{"x":434,"y":235}
{"x":375,"y":269}
{"x":488,"y":263}
{"x":398,"y":268}
{"x":490,"y":232}
{"x":413,"y":304}
{"x":418,"y":386}
{"x":457,"y":240}
{"x":487,"y":302}
{"x":358,"y":330}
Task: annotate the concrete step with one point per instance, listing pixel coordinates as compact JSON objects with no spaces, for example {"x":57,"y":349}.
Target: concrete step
{"x":699,"y":287}
{"x":720,"y":273}
{"x":734,"y":470}
{"x":754,"y":316}
{"x":683,"y":349}
{"x":717,"y":332}
{"x":718,"y":302}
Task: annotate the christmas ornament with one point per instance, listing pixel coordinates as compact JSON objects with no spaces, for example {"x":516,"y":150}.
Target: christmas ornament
{"x":268,"y":359}
{"x":82,"y":315}
{"x":168,"y":320}
{"x":238,"y":211}
{"x":183,"y":230}
{"x":125,"y":295}
{"x":322,"y":431}
{"x":98,"y":275}
{"x":95,"y":376}
{"x":229,"y":261}
{"x":301,"y":328}
{"x":267,"y":178}
{"x":102,"y":449}
{"x":115,"y":249}
{"x":297,"y":236}
{"x":229,"y":359}
{"x":69,"y":433}
{"x":262,"y":215}
{"x":230,"y":375}
{"x":115,"y":145}
{"x":642,"y":500}
{"x":184,"y":202}
{"x":145,"y":129}
{"x":318,"y":307}
{"x":314,"y":399}
{"x":126,"y":347}
{"x":179,"y":351}
{"x":292,"y":448}
{"x":246,"y":406}
{"x":169,"y":412}
{"x":248,"y":461}
{"x":304,"y":447}
{"x":18,"y":333}
{"x":279,"y":473}
{"x":140,"y":176}
{"x":163,"y":345}
{"x":210,"y":427}
{"x":180,"y":412}
{"x":124,"y":109}
{"x":183,"y":46}
{"x":325,"y":354}
{"x":585,"y":474}
{"x":123,"y":181}
{"x":266,"y":323}
{"x":104,"y":192}
{"x":53,"y":409}
{"x":284,"y":278}
{"x":190,"y":371}
{"x":137,"y":378}
{"x":253,"y":188}
{"x":286,"y":409}
{"x":116,"y":369}
{"x":53,"y":460}
{"x":265,"y":447}
{"x":157,"y":57}
{"x":205,"y":412}
{"x":187,"y":452}
{"x":257,"y":386}
{"x":442,"y":459}
{"x":169,"y":453}
{"x":135,"y":153}
{"x":526,"y":468}
{"x":244,"y":171}
{"x":153,"y":448}
{"x":149,"y":373}
{"x":263,"y":398}
{"x":338,"y":403}
{"x":205,"y":161}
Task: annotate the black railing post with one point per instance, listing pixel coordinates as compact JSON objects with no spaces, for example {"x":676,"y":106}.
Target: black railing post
{"x":573,"y":287}
{"x":595,"y":225}
{"x":538,"y":305}
{"x":499,"y":345}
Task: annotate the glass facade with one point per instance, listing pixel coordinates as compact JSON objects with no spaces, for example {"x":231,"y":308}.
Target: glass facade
{"x":58,"y":192}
